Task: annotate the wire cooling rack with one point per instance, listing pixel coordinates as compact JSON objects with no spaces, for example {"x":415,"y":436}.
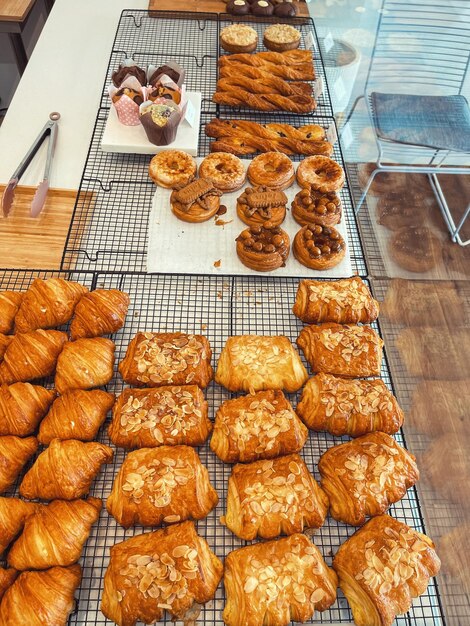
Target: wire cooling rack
{"x":217,"y":307}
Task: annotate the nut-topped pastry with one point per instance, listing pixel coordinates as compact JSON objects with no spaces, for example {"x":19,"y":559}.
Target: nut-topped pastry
{"x":263,"y":248}
{"x":314,"y":207}
{"x":281,"y":37}
{"x":319,"y":247}
{"x":258,"y":205}
{"x":197,"y":202}
{"x":238,"y":38}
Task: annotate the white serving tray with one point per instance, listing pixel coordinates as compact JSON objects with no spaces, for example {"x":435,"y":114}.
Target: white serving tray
{"x":132,"y":139}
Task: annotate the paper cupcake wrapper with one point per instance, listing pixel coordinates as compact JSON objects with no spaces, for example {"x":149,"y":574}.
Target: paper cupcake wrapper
{"x":161,"y":135}
{"x":171,"y":70}
{"x":127,"y":110}
{"x":127,"y":70}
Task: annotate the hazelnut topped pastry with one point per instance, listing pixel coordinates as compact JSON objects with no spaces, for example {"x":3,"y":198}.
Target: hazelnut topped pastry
{"x":263,"y":248}
{"x":314,"y":207}
{"x":319,"y":247}
{"x":197,"y":202}
{"x":258,"y":205}
{"x":238,"y":38}
{"x":281,"y":37}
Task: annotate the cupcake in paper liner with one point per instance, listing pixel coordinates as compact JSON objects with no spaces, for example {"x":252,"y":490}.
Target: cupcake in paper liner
{"x":127,"y":100}
{"x":129,"y":70}
{"x":160,"y":121}
{"x":167,"y":82}
{"x":175,"y":72}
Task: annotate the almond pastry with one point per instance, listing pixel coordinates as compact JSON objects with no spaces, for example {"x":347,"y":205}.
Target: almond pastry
{"x":238,"y":38}
{"x":281,"y":37}
{"x":272,"y":169}
{"x":313,"y":207}
{"x":197,"y":202}
{"x":172,"y":169}
{"x":224,"y":170}
{"x":263,"y":248}
{"x":319,"y":247}
{"x":321,"y":173}
{"x":258,"y":205}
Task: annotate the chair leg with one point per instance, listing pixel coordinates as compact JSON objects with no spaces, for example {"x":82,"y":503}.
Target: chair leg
{"x":366,"y":190}
{"x":455,"y":234}
{"x":350,"y":114}
{"x":446,"y":212}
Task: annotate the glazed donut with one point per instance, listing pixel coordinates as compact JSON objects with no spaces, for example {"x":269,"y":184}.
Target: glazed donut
{"x":172,"y":169}
{"x":263,"y":248}
{"x":258,"y":205}
{"x":225,"y":170}
{"x":321,"y":173}
{"x":273,"y":169}
{"x":319,"y":247}
{"x":313,"y":207}
{"x":196,"y":202}
{"x":415,"y":249}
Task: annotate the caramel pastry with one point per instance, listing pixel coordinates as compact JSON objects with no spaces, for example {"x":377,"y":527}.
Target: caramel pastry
{"x":397,"y":210}
{"x":9,"y":304}
{"x":197,"y":202}
{"x":273,"y":169}
{"x":270,"y":498}
{"x":262,"y":8}
{"x":14,"y":454}
{"x":5,"y":341}
{"x":346,"y":301}
{"x":347,"y":351}
{"x":365,"y":476}
{"x":84,"y":364}
{"x":382,"y":567}
{"x":238,"y":38}
{"x":415,"y":249}
{"x":13,"y":515}
{"x":41,"y":598}
{"x":166,"y":484}
{"x":99,"y":312}
{"x":447,"y":466}
{"x":254,"y":363}
{"x":319,"y":247}
{"x":258,"y":205}
{"x":181,"y":573}
{"x":158,"y":359}
{"x":432,"y":354}
{"x":147,"y":418}
{"x":172,"y":169}
{"x":433,"y":399}
{"x":349,"y":407}
{"x":54,"y":534}
{"x":263,"y":248}
{"x":78,"y":414}
{"x":224,"y":170}
{"x":22,"y":407}
{"x":429,"y":303}
{"x":31,"y":355}
{"x":321,"y":173}
{"x":281,"y":37}
{"x":311,"y":207}
{"x":252,"y":576}
{"x":48,"y":303}
{"x":7,"y":578}
{"x":257,"y":426}
{"x":65,"y":470}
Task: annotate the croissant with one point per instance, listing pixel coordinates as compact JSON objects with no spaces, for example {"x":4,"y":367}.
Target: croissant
{"x":78,"y":414}
{"x":13,"y":514}
{"x":100,"y":312}
{"x":48,"y":303}
{"x":65,"y":470}
{"x":7,"y":578}
{"x":55,"y":534}
{"x":14,"y":454}
{"x":84,"y":364}
{"x":31,"y":355}
{"x":41,"y":598}
{"x":5,"y":341}
{"x":9,"y":304}
{"x":22,"y":406}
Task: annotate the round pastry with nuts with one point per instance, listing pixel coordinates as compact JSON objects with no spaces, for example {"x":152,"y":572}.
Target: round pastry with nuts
{"x":281,"y":37}
{"x":258,"y":205}
{"x":172,"y":169}
{"x":225,"y":170}
{"x":196,"y":202}
{"x":263,"y":248}
{"x":321,"y":173}
{"x":319,"y":247}
{"x":272,"y":169}
{"x":238,"y":38}
{"x":314,"y":207}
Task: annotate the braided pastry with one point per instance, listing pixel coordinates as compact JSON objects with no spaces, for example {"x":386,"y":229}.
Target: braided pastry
{"x":292,"y":57}
{"x":264,"y":84}
{"x":265,"y":102}
{"x":230,"y":67}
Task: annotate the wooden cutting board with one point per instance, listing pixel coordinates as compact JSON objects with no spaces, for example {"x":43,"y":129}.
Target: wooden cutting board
{"x":205,"y":6}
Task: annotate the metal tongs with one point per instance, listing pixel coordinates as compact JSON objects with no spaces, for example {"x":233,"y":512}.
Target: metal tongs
{"x":40,"y":196}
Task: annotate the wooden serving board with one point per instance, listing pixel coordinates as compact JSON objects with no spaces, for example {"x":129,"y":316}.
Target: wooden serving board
{"x":206,"y":6}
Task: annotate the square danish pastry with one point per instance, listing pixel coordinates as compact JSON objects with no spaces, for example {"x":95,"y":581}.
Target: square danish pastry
{"x":157,"y":359}
{"x":347,"y":301}
{"x":166,"y":484}
{"x":258,"y":426}
{"x":254,"y":363}
{"x":147,"y":418}
{"x":276,"y":497}
{"x":347,"y":351}
{"x":382,"y":567}
{"x":171,"y":569}
{"x":365,"y":476}
{"x":252,"y":576}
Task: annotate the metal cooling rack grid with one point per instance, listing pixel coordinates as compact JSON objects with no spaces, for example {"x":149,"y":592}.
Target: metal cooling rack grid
{"x":217,"y":307}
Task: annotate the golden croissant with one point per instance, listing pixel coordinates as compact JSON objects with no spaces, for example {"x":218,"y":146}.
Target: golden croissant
{"x":5,"y":341}
{"x":22,"y":406}
{"x":100,"y":312}
{"x":7,"y":578}
{"x":13,"y":514}
{"x":84,"y":364}
{"x":14,"y":454}
{"x":9,"y":304}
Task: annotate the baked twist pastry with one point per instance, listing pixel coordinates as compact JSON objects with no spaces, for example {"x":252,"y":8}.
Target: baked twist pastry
{"x":158,"y":359}
{"x":365,"y":476}
{"x":343,"y":350}
{"x":382,"y":567}
{"x":349,"y":407}
{"x":433,"y":399}
{"x":22,"y":406}
{"x":13,"y":515}
{"x":99,"y":312}
{"x":346,"y":301}
{"x":258,"y":426}
{"x":48,"y":303}
{"x":166,"y":484}
{"x":314,"y":207}
{"x":78,"y":414}
{"x":147,"y":418}
{"x":65,"y":470}
{"x":14,"y":454}
{"x":9,"y":304}
{"x":55,"y":534}
{"x":254,"y":362}
{"x":258,"y":205}
{"x":31,"y":355}
{"x":292,"y":65}
{"x":265,"y":102}
{"x":251,"y":579}
{"x":181,"y":572}
{"x":277,"y":497}
{"x":41,"y":598}
{"x":84,"y":364}
{"x":7,"y":578}
{"x":321,"y":173}
{"x":273,"y":169}
{"x":197,"y":202}
{"x":265,"y":84}
{"x":319,"y":247}
{"x":263,"y":248}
